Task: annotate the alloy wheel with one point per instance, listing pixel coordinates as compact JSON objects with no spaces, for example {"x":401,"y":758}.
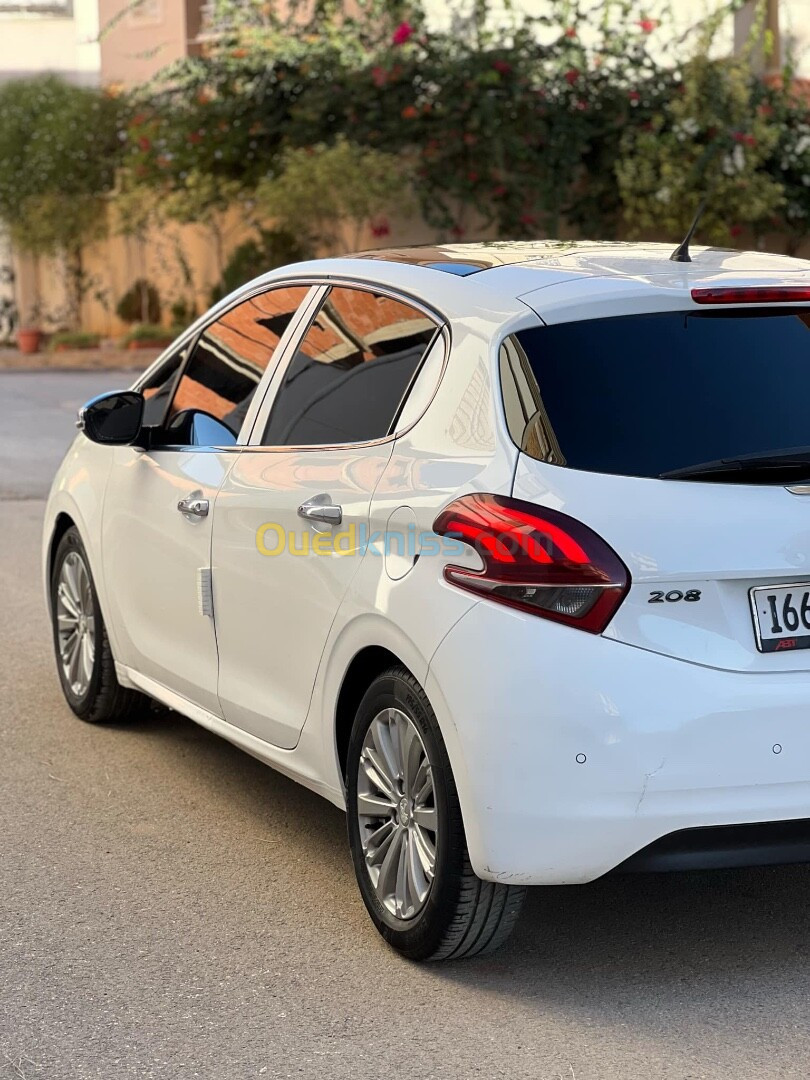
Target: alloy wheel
{"x":76,"y":624}
{"x":396,"y":811}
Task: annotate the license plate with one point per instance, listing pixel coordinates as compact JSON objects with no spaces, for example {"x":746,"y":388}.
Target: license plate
{"x":782,"y":617}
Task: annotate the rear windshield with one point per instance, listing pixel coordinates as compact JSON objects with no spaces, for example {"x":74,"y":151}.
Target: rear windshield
{"x":641,"y":395}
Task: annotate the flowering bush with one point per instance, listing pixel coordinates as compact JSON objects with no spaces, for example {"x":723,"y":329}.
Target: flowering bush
{"x":569,"y":120}
{"x":711,"y":141}
{"x":520,"y":128}
{"x":328,"y":193}
{"x":788,"y":114}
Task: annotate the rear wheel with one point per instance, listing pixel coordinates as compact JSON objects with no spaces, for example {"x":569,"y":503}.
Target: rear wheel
{"x":84,"y":659}
{"x":406,"y":833}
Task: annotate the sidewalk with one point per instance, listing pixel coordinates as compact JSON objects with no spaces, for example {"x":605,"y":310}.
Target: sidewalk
{"x":78,"y":360}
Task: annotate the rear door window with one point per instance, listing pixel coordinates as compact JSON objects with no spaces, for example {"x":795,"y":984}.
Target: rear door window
{"x":351,"y":372}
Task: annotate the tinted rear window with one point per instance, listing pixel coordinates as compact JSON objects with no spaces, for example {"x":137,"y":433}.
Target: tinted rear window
{"x":643,"y":394}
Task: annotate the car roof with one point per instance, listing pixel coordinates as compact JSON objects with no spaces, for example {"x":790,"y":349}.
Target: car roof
{"x":500,"y":283}
{"x":563,"y":280}
{"x":595,"y":258}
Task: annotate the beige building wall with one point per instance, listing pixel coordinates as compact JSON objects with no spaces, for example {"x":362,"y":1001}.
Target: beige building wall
{"x":136,"y":42}
{"x":50,"y":35}
{"x":166,"y":256}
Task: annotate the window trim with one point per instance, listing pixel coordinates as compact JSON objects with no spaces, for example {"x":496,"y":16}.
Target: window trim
{"x":442,"y":330}
{"x":539,"y":416}
{"x":50,"y":9}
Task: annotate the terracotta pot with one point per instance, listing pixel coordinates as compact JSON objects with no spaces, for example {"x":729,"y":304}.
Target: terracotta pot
{"x":29,"y":339}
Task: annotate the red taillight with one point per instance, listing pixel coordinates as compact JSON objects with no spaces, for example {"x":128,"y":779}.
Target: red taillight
{"x":536,"y":559}
{"x":779,"y":294}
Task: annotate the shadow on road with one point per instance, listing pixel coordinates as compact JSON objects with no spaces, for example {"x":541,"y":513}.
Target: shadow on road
{"x":615,"y":942}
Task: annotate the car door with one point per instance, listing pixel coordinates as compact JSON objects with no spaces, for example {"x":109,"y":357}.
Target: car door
{"x":292,"y":514}
{"x":158,"y":509}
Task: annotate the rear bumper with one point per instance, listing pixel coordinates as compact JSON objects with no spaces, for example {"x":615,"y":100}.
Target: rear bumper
{"x":717,"y":847}
{"x":572,"y":753}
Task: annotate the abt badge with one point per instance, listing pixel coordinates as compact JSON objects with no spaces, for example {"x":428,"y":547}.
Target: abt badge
{"x":786,"y":643}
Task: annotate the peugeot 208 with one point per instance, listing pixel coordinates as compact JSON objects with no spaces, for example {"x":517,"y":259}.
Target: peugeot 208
{"x":505,"y":549}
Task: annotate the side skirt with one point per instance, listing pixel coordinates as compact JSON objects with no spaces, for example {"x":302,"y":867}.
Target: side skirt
{"x":284,"y":761}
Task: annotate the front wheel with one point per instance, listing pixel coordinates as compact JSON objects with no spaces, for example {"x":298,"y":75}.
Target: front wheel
{"x":407,"y":836}
{"x":84,"y":659}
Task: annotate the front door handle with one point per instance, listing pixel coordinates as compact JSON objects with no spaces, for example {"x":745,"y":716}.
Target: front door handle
{"x":193,"y":505}
{"x":321,"y":508}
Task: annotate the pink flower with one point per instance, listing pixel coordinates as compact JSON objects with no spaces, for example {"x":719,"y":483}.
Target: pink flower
{"x":570,"y":32}
{"x":635,"y":97}
{"x":402,"y":33}
{"x":144,"y":143}
{"x":571,"y":76}
{"x":503,"y":67}
{"x":742,"y":137}
{"x":648,"y":25}
{"x":379,"y":76}
{"x":380,"y":227}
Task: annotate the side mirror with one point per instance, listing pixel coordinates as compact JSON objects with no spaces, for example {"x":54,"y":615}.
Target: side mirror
{"x":114,"y":419}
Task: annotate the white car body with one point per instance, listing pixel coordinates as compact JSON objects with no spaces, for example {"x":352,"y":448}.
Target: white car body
{"x":571,"y":751}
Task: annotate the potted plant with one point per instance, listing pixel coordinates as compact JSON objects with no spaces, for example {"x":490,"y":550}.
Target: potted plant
{"x":147,"y":336}
{"x":29,"y":333}
{"x":140,"y":304}
{"x":66,"y":340}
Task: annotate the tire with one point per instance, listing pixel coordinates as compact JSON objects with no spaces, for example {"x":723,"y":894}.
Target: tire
{"x":460,"y":915}
{"x":91,"y":688}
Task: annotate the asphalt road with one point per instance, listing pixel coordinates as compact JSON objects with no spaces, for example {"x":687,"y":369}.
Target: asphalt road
{"x":37,"y":415}
{"x":169,"y":907}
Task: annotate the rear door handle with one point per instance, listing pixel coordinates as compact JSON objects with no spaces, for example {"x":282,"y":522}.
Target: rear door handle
{"x":321,"y":508}
{"x":193,"y":505}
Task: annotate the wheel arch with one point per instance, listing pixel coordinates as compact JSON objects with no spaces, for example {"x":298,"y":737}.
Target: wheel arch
{"x":62,"y":523}
{"x":363,"y":669}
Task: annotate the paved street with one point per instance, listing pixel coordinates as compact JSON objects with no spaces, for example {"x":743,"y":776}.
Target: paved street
{"x":171,"y":908}
{"x":37,"y":414}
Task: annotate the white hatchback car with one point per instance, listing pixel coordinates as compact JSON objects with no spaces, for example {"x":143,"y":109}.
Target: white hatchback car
{"x":503,"y":548}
